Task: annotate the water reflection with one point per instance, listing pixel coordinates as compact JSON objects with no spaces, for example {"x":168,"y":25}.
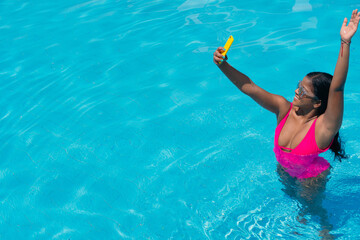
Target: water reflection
{"x":302,"y":6}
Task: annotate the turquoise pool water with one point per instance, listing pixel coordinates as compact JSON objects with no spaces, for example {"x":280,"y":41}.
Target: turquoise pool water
{"x":116,"y":124}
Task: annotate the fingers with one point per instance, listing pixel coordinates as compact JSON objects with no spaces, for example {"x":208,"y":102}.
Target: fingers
{"x":218,"y":57}
{"x":345,"y":22}
{"x":354,"y":12}
{"x":354,"y":15}
{"x":220,"y":49}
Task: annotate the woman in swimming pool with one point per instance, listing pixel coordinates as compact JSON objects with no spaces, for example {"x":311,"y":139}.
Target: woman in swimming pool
{"x":306,"y":127}
{"x":310,"y":124}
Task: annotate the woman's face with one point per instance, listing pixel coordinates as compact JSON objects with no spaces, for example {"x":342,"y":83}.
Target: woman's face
{"x":304,"y":94}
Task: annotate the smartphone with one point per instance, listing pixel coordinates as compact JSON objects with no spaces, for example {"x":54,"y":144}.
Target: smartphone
{"x":228,"y":45}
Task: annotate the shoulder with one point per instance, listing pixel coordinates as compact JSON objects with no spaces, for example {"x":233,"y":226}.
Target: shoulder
{"x":284,"y":108}
{"x":323,"y":135}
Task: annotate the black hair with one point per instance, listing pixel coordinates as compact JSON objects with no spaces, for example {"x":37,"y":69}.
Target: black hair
{"x":321,"y":84}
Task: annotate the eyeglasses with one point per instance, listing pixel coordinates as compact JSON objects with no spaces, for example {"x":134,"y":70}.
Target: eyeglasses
{"x":303,"y":93}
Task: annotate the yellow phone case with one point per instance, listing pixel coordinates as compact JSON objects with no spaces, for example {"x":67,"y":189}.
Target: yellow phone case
{"x":228,"y":45}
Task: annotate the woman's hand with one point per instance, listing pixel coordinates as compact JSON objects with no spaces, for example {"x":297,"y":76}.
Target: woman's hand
{"x":218,"y":57}
{"x":347,"y":32}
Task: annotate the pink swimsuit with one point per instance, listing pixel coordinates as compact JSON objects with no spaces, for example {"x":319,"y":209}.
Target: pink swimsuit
{"x":303,"y":161}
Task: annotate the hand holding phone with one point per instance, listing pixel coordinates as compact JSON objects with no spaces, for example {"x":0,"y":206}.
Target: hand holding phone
{"x":228,"y":45}
{"x":220,"y":53}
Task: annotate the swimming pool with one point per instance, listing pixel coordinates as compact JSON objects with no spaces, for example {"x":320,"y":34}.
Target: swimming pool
{"x":116,"y":124}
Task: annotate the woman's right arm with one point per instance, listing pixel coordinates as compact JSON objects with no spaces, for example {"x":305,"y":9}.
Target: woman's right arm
{"x":272,"y":102}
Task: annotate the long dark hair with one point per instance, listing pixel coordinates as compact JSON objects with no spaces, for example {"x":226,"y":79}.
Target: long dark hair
{"x":321,"y":83}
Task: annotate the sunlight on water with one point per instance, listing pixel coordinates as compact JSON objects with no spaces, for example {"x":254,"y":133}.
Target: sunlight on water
{"x":116,"y":124}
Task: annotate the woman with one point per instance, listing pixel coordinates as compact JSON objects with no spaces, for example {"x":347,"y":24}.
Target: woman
{"x":310,"y":124}
{"x":306,"y":127}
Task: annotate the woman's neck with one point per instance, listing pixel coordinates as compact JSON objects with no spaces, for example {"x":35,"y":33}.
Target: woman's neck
{"x":305,"y":115}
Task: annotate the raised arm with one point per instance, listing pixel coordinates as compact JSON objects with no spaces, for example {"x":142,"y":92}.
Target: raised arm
{"x":333,"y":115}
{"x":274,"y":103}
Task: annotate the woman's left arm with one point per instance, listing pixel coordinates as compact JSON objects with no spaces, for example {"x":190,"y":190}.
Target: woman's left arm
{"x":333,"y":115}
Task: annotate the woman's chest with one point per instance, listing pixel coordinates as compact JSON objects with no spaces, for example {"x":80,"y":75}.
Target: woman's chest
{"x":293,"y":133}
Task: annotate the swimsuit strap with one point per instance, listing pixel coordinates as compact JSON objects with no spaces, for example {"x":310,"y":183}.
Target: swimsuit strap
{"x":308,"y":145}
{"x":280,"y":127}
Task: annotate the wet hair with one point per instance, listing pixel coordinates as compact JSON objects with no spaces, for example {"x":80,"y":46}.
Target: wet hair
{"x":321,"y":84}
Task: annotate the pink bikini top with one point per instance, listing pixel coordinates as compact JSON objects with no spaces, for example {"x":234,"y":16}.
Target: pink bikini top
{"x":307,"y":146}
